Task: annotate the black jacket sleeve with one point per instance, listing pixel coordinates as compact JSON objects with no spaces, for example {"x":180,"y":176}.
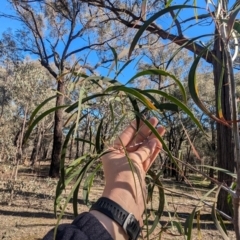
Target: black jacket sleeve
{"x":84,"y":227}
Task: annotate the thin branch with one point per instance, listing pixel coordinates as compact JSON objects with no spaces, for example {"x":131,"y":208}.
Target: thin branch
{"x":88,"y":47}
{"x":153,"y":28}
{"x":36,"y":29}
{"x":178,"y":25}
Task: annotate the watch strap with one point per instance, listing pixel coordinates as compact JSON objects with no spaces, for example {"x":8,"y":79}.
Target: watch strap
{"x":118,"y":214}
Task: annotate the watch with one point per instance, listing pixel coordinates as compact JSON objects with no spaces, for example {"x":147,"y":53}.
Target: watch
{"x":114,"y":211}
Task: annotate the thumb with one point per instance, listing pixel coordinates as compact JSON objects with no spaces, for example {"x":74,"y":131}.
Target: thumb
{"x":145,"y":151}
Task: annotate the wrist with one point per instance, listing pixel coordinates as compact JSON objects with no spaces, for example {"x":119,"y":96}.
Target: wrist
{"x":128,"y":198}
{"x":114,"y":229}
{"x":125,"y":220}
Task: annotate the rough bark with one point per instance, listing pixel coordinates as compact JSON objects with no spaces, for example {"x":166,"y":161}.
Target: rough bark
{"x":57,"y":134}
{"x":225,"y":146}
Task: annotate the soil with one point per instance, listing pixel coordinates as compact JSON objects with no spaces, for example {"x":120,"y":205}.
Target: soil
{"x":30,"y":215}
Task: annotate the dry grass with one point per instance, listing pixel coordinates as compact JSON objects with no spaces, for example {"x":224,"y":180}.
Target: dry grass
{"x":30,"y":216}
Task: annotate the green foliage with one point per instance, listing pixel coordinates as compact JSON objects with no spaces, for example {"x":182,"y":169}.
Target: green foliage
{"x":137,"y":99}
{"x":98,"y":108}
{"x":151,"y":20}
{"x":121,"y":103}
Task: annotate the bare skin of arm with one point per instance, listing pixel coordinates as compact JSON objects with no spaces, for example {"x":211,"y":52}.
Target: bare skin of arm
{"x":125,"y":187}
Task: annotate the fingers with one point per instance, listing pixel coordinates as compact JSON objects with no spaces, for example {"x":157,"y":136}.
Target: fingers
{"x":161,"y":131}
{"x":145,"y":151}
{"x":126,"y":136}
{"x":129,"y":136}
{"x":148,"y":163}
{"x":142,"y":134}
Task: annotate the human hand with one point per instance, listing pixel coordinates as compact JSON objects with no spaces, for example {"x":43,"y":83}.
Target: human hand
{"x":125,"y":184}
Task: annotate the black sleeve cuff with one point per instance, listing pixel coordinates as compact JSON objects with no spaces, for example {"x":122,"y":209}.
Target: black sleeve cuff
{"x":84,"y":227}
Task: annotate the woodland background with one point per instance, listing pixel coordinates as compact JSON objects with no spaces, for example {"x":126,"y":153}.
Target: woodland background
{"x":75,"y":54}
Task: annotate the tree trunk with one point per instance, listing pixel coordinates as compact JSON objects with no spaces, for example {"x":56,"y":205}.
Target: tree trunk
{"x":46,"y":149}
{"x":57,"y":134}
{"x":37,"y":145}
{"x":33,"y":155}
{"x":19,"y":142}
{"x":18,"y":154}
{"x":225,"y":146}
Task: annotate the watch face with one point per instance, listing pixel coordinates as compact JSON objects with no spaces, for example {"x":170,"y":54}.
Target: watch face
{"x":130,"y":220}
{"x":132,"y":227}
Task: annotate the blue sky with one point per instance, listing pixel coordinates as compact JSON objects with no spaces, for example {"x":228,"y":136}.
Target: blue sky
{"x":163,"y":21}
{"x":7,"y":23}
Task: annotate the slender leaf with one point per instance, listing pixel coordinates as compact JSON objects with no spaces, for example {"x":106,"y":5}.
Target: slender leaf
{"x":74,"y":164}
{"x":222,"y":223}
{"x":88,"y":183}
{"x":39,"y":118}
{"x":79,"y":109}
{"x":161,"y":106}
{"x":133,"y":92}
{"x":123,"y":67}
{"x":221,"y":170}
{"x":71,"y":117}
{"x":71,"y":172}
{"x":63,"y":153}
{"x":155,"y":132}
{"x":98,"y":142}
{"x":168,"y":106}
{"x":150,"y":21}
{"x":178,"y":226}
{"x":75,"y":105}
{"x":115,"y":59}
{"x":217,"y":224}
{"x":162,"y":73}
{"x":161,"y":202}
{"x":84,"y":140}
{"x":188,"y":225}
{"x":207,"y":194}
{"x":65,"y":205}
{"x":178,"y":103}
{"x":199,"y":225}
{"x":112,"y":113}
{"x":236,"y":26}
{"x":192,"y":84}
{"x":39,"y":107}
{"x":168,"y":3}
{"x":118,"y":124}
{"x":76,"y":191}
{"x":137,"y":110}
{"x":104,"y":79}
{"x":64,"y":149}
{"x":184,"y":45}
